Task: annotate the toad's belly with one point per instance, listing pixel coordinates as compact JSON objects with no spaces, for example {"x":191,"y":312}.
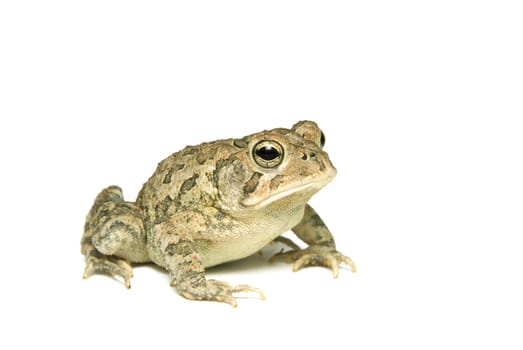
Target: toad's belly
{"x":245,"y":240}
{"x":223,"y":251}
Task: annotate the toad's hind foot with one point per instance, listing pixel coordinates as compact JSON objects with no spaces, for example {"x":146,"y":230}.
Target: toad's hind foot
{"x":110,"y":265}
{"x":286,"y":241}
{"x":114,"y":235}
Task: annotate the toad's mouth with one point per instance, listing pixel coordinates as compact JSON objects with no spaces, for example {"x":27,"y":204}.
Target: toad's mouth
{"x":295,"y":195}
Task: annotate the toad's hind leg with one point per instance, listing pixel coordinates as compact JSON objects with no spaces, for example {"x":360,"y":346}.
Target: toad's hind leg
{"x":114,"y":236}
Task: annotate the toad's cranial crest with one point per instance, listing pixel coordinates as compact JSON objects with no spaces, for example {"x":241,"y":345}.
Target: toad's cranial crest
{"x":217,"y":202}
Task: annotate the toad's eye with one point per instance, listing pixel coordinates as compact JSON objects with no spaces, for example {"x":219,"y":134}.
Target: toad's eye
{"x":322,"y":140}
{"x":268,"y":154}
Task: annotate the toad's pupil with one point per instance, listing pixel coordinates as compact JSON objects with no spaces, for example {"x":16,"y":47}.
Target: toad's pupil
{"x":267,"y":152}
{"x":322,"y":139}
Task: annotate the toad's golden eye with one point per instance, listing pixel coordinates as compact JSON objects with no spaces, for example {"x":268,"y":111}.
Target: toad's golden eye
{"x":268,"y":153}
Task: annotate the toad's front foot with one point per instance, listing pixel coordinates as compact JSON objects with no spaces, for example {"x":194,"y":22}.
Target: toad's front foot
{"x":315,"y":255}
{"x":110,"y":265}
{"x":214,"y":290}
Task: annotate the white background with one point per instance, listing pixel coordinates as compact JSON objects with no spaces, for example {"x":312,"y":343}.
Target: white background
{"x":421,"y":103}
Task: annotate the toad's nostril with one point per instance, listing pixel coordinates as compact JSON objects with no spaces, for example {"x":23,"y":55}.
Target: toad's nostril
{"x":312,"y":155}
{"x":304,"y":156}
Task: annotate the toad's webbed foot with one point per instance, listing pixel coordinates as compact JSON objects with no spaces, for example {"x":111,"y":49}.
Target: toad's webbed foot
{"x":315,"y":255}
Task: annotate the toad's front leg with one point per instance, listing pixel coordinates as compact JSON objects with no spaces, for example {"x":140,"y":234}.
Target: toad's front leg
{"x":187,"y":273}
{"x":322,"y":249}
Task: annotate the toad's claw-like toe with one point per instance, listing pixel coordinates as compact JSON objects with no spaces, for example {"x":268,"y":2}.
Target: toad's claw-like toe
{"x":315,"y":256}
{"x":246,"y":289}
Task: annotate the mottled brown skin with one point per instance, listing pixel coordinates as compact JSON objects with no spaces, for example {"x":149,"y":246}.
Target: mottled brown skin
{"x":217,"y":202}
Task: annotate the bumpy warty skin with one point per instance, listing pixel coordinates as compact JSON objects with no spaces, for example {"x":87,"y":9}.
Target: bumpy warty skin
{"x":217,"y":202}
